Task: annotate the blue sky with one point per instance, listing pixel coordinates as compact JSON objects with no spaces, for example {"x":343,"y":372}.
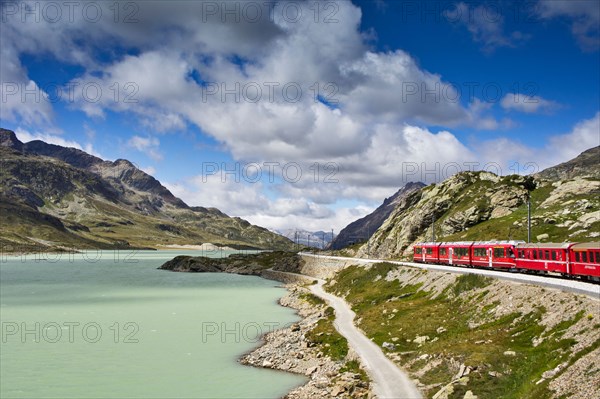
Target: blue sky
{"x":356,"y":98}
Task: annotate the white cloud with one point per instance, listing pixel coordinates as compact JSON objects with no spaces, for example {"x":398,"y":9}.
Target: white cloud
{"x":149,"y":170}
{"x":528,"y":104}
{"x":147,"y":145}
{"x":486,"y":24}
{"x":584,"y":16}
{"x":21,"y":99}
{"x":516,"y":157}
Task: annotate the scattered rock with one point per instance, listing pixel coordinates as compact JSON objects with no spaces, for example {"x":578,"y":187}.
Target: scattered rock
{"x":510,"y":353}
{"x":389,"y":346}
{"x":421,"y":340}
{"x":469,"y":395}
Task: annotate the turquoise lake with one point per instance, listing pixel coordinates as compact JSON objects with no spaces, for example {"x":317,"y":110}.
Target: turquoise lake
{"x":113,"y":326}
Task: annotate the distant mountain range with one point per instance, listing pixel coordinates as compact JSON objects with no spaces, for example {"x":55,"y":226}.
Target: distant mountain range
{"x":565,"y":202}
{"x":53,"y":197}
{"x":316,"y":239}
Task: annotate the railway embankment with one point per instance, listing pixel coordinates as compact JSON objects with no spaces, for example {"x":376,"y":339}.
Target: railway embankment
{"x":470,"y":336}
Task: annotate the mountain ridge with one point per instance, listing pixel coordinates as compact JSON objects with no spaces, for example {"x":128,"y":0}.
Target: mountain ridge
{"x":82,"y":200}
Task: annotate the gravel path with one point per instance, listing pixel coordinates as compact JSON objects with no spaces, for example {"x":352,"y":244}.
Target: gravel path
{"x":388,"y":380}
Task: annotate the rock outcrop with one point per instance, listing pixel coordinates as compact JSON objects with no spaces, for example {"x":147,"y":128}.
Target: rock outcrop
{"x":462,"y":201}
{"x":246,"y":264}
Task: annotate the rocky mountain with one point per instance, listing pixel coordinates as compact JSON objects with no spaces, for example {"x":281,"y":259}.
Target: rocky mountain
{"x":362,"y":229}
{"x":315,"y":239}
{"x":52,"y":197}
{"x":565,"y":203}
{"x":586,"y":164}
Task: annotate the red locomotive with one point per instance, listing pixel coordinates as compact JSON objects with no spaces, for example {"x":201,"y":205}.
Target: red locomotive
{"x":568,"y":259}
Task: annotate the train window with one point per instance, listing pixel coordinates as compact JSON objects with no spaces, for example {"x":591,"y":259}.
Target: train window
{"x":429,"y":251}
{"x":479,"y":252}
{"x":498,"y":252}
{"x":534,"y":254}
{"x":418,"y":251}
{"x":460,"y":251}
{"x":577,"y":257}
{"x":553,"y":255}
{"x":442,"y":251}
{"x":547,"y":255}
{"x":584,"y":256}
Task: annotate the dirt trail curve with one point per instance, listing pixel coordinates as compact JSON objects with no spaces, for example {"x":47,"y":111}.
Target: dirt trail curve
{"x":389,"y":381}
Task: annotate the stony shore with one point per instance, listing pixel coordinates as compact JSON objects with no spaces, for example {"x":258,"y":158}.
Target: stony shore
{"x":290,"y":350}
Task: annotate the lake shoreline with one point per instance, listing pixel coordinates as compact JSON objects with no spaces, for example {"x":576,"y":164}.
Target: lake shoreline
{"x":287,"y":349}
{"x":309,"y":347}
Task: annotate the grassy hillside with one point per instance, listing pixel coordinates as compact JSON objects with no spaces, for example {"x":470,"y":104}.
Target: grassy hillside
{"x":483,"y":206}
{"x":463,"y":333}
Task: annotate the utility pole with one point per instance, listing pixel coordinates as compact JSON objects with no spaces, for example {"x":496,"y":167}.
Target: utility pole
{"x":528,"y":218}
{"x":433,"y":229}
{"x":368,"y":242}
{"x":529,"y":185}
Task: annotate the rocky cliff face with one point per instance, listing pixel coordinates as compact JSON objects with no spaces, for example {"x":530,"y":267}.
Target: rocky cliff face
{"x":462,"y":201}
{"x":102,"y":204}
{"x":362,"y":229}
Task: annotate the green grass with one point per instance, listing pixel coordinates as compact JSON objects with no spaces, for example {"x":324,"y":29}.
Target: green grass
{"x":468,"y":282}
{"x":330,"y":342}
{"x":312,"y":299}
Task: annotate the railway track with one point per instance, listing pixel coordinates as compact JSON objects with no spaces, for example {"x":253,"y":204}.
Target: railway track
{"x":569,"y":285}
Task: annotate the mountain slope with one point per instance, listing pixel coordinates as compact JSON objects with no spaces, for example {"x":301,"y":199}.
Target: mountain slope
{"x":362,"y":229}
{"x":483,"y":206}
{"x":587,"y":164}
{"x":52,"y":196}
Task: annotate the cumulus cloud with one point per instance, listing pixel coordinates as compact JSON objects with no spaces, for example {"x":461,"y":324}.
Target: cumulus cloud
{"x":559,"y":148}
{"x":528,"y":104}
{"x":147,"y":145}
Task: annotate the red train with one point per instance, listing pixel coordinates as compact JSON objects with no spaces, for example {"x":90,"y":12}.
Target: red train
{"x":580,"y":260}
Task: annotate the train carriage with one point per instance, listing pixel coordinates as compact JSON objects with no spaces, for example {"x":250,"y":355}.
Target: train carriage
{"x":426,"y":252}
{"x":494,"y":254}
{"x":548,"y":257}
{"x":455,"y":253}
{"x":581,"y":260}
{"x":585,"y":260}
